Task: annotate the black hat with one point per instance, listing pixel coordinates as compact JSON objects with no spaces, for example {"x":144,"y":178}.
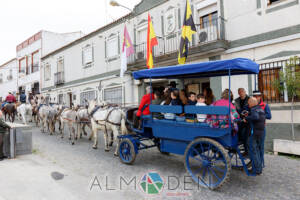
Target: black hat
{"x":173,"y":84}
{"x":256,"y":93}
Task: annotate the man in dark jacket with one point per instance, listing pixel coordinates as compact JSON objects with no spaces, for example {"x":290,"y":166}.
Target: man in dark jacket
{"x":3,"y":129}
{"x":256,"y":118}
{"x":241,"y":105}
{"x":23,"y":97}
{"x":192,"y":100}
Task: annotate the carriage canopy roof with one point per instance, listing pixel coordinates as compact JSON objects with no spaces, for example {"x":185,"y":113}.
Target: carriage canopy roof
{"x":236,"y":66}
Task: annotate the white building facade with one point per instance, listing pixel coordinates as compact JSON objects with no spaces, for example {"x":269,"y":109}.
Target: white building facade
{"x":8,"y":78}
{"x":265,"y":31}
{"x":29,"y":55}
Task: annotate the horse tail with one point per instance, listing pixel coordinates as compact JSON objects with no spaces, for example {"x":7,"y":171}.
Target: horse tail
{"x":123,"y":123}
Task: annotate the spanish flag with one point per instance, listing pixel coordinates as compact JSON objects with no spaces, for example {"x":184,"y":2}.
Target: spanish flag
{"x":188,"y":29}
{"x":151,"y":42}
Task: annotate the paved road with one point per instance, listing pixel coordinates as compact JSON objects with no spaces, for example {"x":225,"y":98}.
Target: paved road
{"x":280,"y":179}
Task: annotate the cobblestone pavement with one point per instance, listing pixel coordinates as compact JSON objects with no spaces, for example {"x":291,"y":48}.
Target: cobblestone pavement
{"x":280,"y":178}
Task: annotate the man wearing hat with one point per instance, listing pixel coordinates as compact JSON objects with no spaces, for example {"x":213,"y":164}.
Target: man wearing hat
{"x":172,"y":86}
{"x":262,"y":104}
{"x":257,"y":94}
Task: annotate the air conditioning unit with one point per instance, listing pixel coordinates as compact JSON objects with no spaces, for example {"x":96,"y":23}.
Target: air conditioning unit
{"x":203,"y":36}
{"x":140,"y":55}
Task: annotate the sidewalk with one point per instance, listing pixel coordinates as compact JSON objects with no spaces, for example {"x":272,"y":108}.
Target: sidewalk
{"x":29,"y":178}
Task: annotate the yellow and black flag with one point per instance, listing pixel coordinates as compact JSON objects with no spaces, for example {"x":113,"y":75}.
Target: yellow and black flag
{"x":188,"y":29}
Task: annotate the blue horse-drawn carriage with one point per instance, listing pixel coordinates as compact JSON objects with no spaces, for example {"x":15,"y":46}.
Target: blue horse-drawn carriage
{"x":209,"y":153}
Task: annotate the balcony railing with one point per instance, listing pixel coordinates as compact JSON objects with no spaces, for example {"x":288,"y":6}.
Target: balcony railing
{"x":59,"y":78}
{"x":206,"y":32}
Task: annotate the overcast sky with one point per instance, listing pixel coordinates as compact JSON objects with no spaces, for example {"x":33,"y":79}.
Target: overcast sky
{"x":20,"y":19}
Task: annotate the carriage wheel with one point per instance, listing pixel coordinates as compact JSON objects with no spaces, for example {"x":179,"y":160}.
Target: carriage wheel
{"x":127,"y":153}
{"x":236,"y":162}
{"x":207,"y":162}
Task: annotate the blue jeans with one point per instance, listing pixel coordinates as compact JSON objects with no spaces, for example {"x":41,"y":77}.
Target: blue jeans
{"x":256,"y":149}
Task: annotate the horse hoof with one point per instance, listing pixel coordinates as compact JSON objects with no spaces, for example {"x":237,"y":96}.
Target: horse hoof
{"x":94,"y":147}
{"x":106,"y":150}
{"x":73,"y":143}
{"x":115,"y":154}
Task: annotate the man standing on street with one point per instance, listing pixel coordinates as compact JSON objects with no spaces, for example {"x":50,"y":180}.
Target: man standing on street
{"x":241,"y":104}
{"x":3,"y":129}
{"x":256,"y":119}
{"x":266,"y":108}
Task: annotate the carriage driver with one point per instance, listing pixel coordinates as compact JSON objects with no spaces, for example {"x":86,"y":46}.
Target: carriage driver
{"x":144,"y":106}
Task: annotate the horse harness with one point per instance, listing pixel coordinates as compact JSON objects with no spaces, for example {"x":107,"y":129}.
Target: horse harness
{"x":106,"y":119}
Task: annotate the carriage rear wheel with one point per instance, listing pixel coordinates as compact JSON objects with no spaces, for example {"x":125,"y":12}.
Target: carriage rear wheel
{"x":127,"y":152}
{"x":207,"y":162}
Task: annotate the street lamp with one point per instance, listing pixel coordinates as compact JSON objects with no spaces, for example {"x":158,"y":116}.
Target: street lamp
{"x":116,"y":4}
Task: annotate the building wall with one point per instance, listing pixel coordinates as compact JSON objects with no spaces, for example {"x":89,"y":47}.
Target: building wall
{"x":248,"y":18}
{"x":8,"y":85}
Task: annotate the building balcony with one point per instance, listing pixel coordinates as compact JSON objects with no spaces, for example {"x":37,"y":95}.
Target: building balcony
{"x":59,"y":78}
{"x":209,"y":38}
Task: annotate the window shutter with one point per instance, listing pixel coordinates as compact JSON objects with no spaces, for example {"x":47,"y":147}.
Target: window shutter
{"x":119,"y":43}
{"x":162,"y":25}
{"x":82,"y":57}
{"x":105,"y":48}
{"x":92,"y":53}
{"x":179,"y":19}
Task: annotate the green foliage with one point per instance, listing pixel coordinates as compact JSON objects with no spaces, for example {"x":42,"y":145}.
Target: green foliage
{"x":291,"y":77}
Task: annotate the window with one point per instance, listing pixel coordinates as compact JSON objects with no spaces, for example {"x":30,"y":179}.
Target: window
{"x":113,"y":95}
{"x":29,"y":64}
{"x":47,"y":72}
{"x":60,"y":64}
{"x":22,"y":65}
{"x":112,"y":46}
{"x":35,"y":61}
{"x":89,"y":95}
{"x":87,"y":55}
{"x":209,"y":20}
{"x":10,"y":75}
{"x":60,"y":99}
{"x":270,"y":2}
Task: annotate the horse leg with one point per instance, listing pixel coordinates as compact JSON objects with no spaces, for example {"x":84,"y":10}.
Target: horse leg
{"x":105,"y":134}
{"x":115,"y":133}
{"x":95,"y":136}
{"x":111,"y":141}
{"x":62,"y":123}
{"x":72,"y":133}
{"x":91,"y":136}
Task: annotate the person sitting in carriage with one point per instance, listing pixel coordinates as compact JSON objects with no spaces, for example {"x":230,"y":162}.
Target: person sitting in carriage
{"x":222,"y":121}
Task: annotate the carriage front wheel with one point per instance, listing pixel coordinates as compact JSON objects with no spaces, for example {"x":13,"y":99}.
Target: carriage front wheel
{"x":207,"y":162}
{"x":127,"y":152}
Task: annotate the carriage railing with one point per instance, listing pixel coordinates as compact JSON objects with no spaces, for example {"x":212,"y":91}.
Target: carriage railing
{"x":189,"y":109}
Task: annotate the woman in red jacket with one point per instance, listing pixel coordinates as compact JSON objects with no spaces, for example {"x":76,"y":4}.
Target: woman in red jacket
{"x":146,"y":100}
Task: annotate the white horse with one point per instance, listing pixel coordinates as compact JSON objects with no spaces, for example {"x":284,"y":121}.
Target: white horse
{"x":82,"y":120}
{"x":48,"y":117}
{"x":23,"y":110}
{"x":109,"y":120}
{"x":68,"y":116}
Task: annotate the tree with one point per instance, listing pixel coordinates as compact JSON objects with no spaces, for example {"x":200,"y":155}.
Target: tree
{"x":289,"y":80}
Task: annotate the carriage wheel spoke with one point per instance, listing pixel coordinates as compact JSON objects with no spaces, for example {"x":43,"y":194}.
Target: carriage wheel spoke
{"x":219,"y":169}
{"x":214,"y":173}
